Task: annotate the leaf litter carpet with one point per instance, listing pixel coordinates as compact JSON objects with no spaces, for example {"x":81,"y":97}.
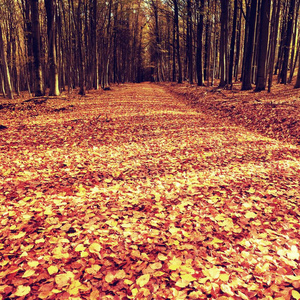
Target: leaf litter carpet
{"x":131,"y":194}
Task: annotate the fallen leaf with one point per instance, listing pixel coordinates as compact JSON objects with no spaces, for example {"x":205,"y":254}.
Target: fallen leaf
{"x":22,"y":290}
{"x":95,"y":248}
{"x":28,"y":273}
{"x":52,"y":270}
{"x":143,"y":280}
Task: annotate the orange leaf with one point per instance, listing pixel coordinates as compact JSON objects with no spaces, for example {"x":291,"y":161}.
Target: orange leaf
{"x":63,"y":279}
{"x":94,"y":295}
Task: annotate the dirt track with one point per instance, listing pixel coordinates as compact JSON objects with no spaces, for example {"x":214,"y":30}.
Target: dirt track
{"x":133,"y":193}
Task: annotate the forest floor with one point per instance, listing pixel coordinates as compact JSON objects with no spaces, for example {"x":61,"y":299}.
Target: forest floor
{"x":135,"y":193}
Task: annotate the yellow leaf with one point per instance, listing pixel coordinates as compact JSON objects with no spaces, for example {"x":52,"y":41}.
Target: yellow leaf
{"x":158,"y":273}
{"x":28,"y":273}
{"x":109,"y":277}
{"x":95,"y":295}
{"x":296,"y":294}
{"x":212,"y":273}
{"x":160,"y":256}
{"x":293,"y":253}
{"x":226,"y":289}
{"x":134,"y":292}
{"x":33,"y":263}
{"x":52,"y":270}
{"x":187,"y":277}
{"x":128,"y":282}
{"x":216,"y":241}
{"x":19,"y":235}
{"x":22,"y":290}
{"x":74,"y":287}
{"x":156,"y":266}
{"x":42,"y":240}
{"x":174,"y":230}
{"x":250,"y":214}
{"x":58,"y":253}
{"x":84,"y":254}
{"x":224,"y":277}
{"x":95,"y":248}
{"x":182,"y":283}
{"x":251,"y":190}
{"x":64,"y":279}
{"x":80,"y":248}
{"x":175,"y":263}
{"x":143,"y":280}
{"x":120,"y":274}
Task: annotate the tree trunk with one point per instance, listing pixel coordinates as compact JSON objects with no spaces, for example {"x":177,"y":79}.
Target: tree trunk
{"x":7,"y":82}
{"x":286,"y":50}
{"x":95,"y":46}
{"x":39,"y":90}
{"x":263,"y":45}
{"x":200,"y":8}
{"x":249,"y":44}
{"x":238,"y":47}
{"x":80,"y":51}
{"x":177,"y":41}
{"x":51,"y":31}
{"x":273,"y":41}
{"x":189,"y":41}
{"x":207,"y":55}
{"x":232,"y":43}
{"x":297,"y":85}
{"x":294,"y":53}
{"x":223,"y":42}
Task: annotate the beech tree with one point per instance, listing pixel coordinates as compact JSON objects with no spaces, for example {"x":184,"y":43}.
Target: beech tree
{"x":38,"y":75}
{"x":200,"y":8}
{"x":249,"y":44}
{"x":287,"y":43}
{"x":263,"y":45}
{"x":84,"y":44}
{"x":51,"y":31}
{"x":7,"y":83}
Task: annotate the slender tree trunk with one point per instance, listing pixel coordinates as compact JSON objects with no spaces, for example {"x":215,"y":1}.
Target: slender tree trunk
{"x":95,"y":46}
{"x":189,"y":41}
{"x":7,"y":82}
{"x":297,"y":85}
{"x":223,"y":42}
{"x":238,"y":47}
{"x":207,"y":45}
{"x":232,"y":43}
{"x":174,"y":52}
{"x":294,"y":53}
{"x":249,"y":44}
{"x":80,"y":51}
{"x":287,"y":45}
{"x":200,"y":8}
{"x":50,"y":6}
{"x":176,"y":20}
{"x":263,"y":45}
{"x":39,"y":90}
{"x":273,"y":40}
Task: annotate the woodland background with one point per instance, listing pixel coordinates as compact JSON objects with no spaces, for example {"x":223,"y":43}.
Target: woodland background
{"x":64,"y":44}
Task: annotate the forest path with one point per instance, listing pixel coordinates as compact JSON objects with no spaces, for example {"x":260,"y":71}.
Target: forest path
{"x":131,"y":193}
